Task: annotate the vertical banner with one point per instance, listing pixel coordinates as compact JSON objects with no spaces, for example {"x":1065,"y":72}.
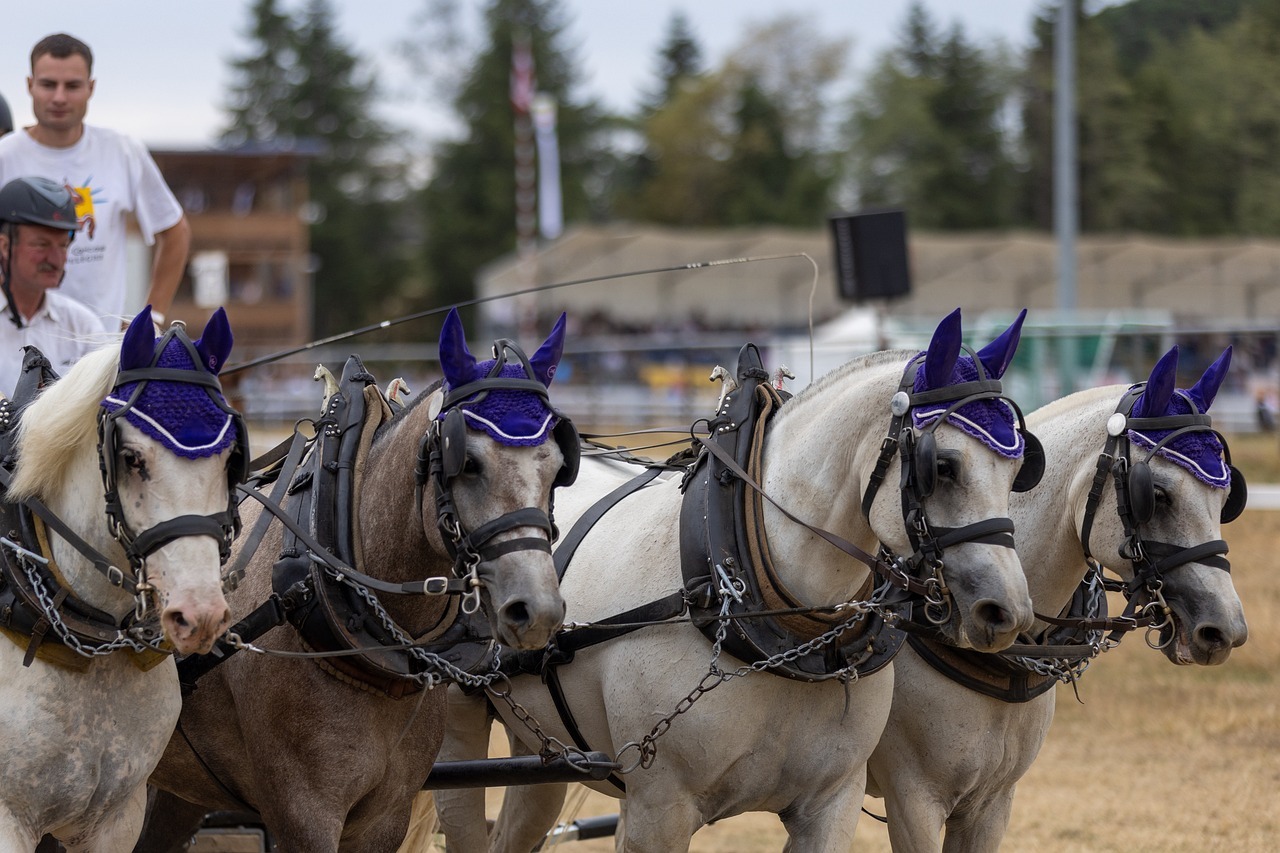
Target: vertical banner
{"x":523,"y":86}
{"x":550,"y":207}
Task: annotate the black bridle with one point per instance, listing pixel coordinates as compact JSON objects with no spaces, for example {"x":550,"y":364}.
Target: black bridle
{"x":1135,"y":501}
{"x":442,"y":455}
{"x":221,"y":526}
{"x":917,"y":450}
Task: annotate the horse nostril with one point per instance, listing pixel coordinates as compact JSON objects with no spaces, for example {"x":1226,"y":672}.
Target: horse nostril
{"x":992,"y":615}
{"x":516,"y":613}
{"x":178,"y":618}
{"x":1211,"y":637}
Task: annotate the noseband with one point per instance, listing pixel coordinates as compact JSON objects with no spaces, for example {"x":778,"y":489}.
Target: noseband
{"x":917,"y":450}
{"x":442,"y":457}
{"x":1135,"y":501}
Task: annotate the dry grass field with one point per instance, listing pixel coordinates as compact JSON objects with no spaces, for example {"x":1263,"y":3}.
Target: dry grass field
{"x":1157,"y":758}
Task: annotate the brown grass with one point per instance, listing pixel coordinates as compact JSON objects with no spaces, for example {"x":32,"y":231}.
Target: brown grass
{"x":1158,"y":758}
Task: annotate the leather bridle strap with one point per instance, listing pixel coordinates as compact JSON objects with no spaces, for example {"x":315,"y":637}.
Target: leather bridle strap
{"x":428,"y":586}
{"x":114,"y":575}
{"x":874,"y":563}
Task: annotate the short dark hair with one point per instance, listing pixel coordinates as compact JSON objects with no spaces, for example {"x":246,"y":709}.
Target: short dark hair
{"x":60,"y":46}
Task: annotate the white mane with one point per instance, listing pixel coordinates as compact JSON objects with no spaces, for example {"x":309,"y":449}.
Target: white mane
{"x":59,"y":422}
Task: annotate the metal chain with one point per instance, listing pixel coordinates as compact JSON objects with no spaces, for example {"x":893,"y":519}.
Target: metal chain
{"x":1067,"y":670}
{"x":141,"y":637}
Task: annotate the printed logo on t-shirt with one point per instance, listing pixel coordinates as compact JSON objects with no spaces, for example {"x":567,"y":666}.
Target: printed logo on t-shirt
{"x":84,"y":207}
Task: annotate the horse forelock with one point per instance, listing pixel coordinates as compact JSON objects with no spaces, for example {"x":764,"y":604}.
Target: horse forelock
{"x":61,"y":421}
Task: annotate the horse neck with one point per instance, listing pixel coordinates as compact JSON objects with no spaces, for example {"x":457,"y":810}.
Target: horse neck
{"x":80,"y":504}
{"x":399,"y":543}
{"x":818,"y":455}
{"x":1048,"y":518}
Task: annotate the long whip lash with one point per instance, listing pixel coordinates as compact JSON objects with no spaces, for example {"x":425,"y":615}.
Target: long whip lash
{"x":386,"y":324}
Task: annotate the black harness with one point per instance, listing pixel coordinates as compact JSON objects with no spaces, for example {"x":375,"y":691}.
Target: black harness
{"x":1017,"y":674}
{"x":917,"y":452}
{"x":32,"y":598}
{"x":316,"y":586}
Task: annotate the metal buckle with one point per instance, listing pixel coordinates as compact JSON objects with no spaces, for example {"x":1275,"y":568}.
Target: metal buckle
{"x":115,"y":576}
{"x":436,"y":586}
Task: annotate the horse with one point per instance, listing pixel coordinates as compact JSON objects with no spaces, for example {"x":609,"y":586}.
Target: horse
{"x":793,"y":745}
{"x":118,"y":514}
{"x":329,"y":751}
{"x":957,"y":743}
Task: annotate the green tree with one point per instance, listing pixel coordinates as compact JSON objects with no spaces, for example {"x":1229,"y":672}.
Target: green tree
{"x":302,"y":84}
{"x":469,"y":203}
{"x":747,"y":143}
{"x":928,"y":131}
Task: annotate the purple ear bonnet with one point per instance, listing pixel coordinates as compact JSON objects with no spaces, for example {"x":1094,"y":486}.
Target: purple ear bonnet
{"x":512,"y":417}
{"x":1201,"y":451}
{"x":992,"y":422}
{"x":179,"y":415}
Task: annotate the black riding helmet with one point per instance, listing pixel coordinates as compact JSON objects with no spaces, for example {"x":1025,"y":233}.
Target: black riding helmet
{"x":6,"y":117}
{"x":33,"y":201}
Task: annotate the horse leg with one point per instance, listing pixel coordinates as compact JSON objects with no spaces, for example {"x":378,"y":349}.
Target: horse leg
{"x":980,"y":830}
{"x":462,"y":810}
{"x":117,"y":836}
{"x":12,"y":834}
{"x":171,"y":821}
{"x":660,"y":827}
{"x":824,"y":827}
{"x":528,"y":814}
{"x":915,"y":820}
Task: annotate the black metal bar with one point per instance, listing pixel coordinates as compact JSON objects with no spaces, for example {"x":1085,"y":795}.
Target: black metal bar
{"x":583,"y":829}
{"x":522,"y":770}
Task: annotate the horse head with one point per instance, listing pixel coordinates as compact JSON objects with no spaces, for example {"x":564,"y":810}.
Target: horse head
{"x":1160,"y":528}
{"x":172,"y":452}
{"x":961,"y":448}
{"x":503,"y":450}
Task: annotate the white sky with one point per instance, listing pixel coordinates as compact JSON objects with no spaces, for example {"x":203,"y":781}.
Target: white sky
{"x":162,"y":73}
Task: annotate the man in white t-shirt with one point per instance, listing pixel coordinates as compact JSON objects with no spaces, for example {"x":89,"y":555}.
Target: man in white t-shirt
{"x":37,"y":226}
{"x":110,"y":175}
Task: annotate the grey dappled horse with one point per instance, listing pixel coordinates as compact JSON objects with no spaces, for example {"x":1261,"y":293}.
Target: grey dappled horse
{"x":330,"y":760}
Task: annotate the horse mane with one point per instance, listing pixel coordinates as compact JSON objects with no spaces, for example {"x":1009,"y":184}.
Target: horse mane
{"x":60,"y":421}
{"x":836,"y":375}
{"x":394,"y":422}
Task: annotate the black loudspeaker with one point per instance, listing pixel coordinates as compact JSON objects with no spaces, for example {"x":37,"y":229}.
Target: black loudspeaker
{"x":871,"y":255}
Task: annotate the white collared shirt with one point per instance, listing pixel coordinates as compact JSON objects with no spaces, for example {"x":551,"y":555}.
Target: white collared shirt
{"x":63,"y":329}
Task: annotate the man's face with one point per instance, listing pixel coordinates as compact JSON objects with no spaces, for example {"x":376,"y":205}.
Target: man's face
{"x":37,"y":257}
{"x":60,"y":90}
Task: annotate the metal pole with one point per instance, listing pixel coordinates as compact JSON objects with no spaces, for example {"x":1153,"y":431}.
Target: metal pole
{"x":1066,"y":219}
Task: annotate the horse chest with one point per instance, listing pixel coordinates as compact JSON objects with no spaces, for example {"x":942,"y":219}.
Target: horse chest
{"x":78,"y":744}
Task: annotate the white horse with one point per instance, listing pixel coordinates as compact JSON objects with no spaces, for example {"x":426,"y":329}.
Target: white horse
{"x":85,"y":714}
{"x":793,"y":747}
{"x":950,"y":755}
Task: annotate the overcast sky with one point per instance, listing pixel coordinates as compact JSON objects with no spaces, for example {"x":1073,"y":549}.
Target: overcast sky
{"x":162,"y":73}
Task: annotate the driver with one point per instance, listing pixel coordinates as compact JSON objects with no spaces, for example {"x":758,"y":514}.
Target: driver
{"x":37,"y":224}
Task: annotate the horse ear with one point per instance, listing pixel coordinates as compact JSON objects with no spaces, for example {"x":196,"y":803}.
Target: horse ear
{"x":1154,"y":401}
{"x":944,"y":349}
{"x":997,"y":355}
{"x":139,"y":343}
{"x":457,"y":362}
{"x":215,"y":342}
{"x":1203,"y":392}
{"x":547,"y":357}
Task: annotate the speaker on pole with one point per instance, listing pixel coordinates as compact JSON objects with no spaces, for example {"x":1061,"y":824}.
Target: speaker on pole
{"x":871,"y":255}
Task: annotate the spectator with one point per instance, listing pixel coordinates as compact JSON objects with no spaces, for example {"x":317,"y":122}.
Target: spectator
{"x":6,"y":117}
{"x":109,"y":174}
{"x":37,"y":226}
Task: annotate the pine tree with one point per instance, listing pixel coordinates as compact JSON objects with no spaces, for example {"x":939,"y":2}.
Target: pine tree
{"x":302,"y":84}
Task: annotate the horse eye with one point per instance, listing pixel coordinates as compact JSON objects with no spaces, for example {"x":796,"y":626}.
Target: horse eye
{"x":470,"y":466}
{"x":946,"y":469}
{"x":1162,"y":496}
